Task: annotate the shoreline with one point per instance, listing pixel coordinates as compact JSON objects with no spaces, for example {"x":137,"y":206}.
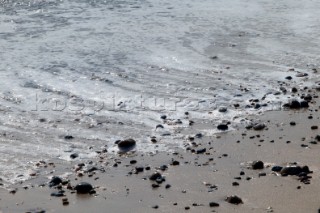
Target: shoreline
{"x":192,"y":181}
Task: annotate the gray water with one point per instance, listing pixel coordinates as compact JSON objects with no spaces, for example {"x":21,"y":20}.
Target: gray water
{"x":106,"y":70}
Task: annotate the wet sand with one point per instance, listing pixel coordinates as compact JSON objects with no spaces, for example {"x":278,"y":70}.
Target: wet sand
{"x":199,"y":178}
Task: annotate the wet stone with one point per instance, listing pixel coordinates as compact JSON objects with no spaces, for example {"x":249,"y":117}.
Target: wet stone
{"x":55,"y":180}
{"x":83,"y":188}
{"x":214,"y":204}
{"x":276,"y":168}
{"x":57,"y":194}
{"x":128,"y":143}
{"x":74,"y":155}
{"x":155,"y":176}
{"x":222,"y":127}
{"x":259,"y":126}
{"x":257,"y":165}
{"x":234,"y":200}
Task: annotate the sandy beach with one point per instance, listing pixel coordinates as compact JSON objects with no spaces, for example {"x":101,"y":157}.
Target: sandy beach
{"x":193,"y":177}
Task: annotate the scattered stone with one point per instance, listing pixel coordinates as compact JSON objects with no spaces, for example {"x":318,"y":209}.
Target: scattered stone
{"x":155,"y":185}
{"x":57,"y":194}
{"x":276,"y":168}
{"x":234,"y":200}
{"x":259,"y":126}
{"x":222,"y":127}
{"x":155,"y":176}
{"x":261,"y":174}
{"x":159,"y":126}
{"x":288,"y":78}
{"x":83,"y":188}
{"x":314,"y":127}
{"x":175,"y":163}
{"x":214,"y":204}
{"x":133,"y":162}
{"x":292,"y":123}
{"x":235,"y":184}
{"x":155,"y":207}
{"x":74,"y":155}
{"x":125,"y":144}
{"x":222,"y":109}
{"x":37,"y":210}
{"x":201,"y":151}
{"x":68,"y":137}
{"x":55,"y":180}
{"x":304,"y":104}
{"x":139,"y":169}
{"x":294,"y":170}
{"x":293,"y":104}
{"x":257,"y":165}
{"x":163,"y":117}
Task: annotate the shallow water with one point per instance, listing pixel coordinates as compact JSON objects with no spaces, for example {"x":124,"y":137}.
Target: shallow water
{"x":105,"y":70}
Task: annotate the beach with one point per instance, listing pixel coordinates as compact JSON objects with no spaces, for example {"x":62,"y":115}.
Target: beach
{"x":159,"y":106}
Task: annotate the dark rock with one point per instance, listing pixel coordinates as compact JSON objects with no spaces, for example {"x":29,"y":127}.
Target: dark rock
{"x":55,"y":180}
{"x":83,"y":188}
{"x":68,"y":137}
{"x":155,"y":207}
{"x":155,"y":176}
{"x":314,"y":127}
{"x":222,"y":127}
{"x":214,"y":204}
{"x":276,"y":168}
{"x":259,"y":126}
{"x":175,"y":163}
{"x":198,"y":135}
{"x":257,"y":165}
{"x":159,"y":126}
{"x":308,"y":98}
{"x":163,"y":167}
{"x":249,"y":126}
{"x":163,"y":117}
{"x":292,"y":123}
{"x":168,"y":186}
{"x":293,"y":104}
{"x":235,"y":184}
{"x":57,"y":194}
{"x":74,"y":155}
{"x":291,"y":170}
{"x":261,"y":174}
{"x":304,"y":104}
{"x":234,"y":200}
{"x":139,"y":169}
{"x":294,"y":90}
{"x":288,"y":77}
{"x":242,"y":173}
{"x":92,"y":169}
{"x":317,"y":137}
{"x":155,"y":185}
{"x":37,"y":210}
{"x":126,"y":144}
{"x":222,"y":109}
{"x":201,"y":151}
{"x":133,"y":162}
